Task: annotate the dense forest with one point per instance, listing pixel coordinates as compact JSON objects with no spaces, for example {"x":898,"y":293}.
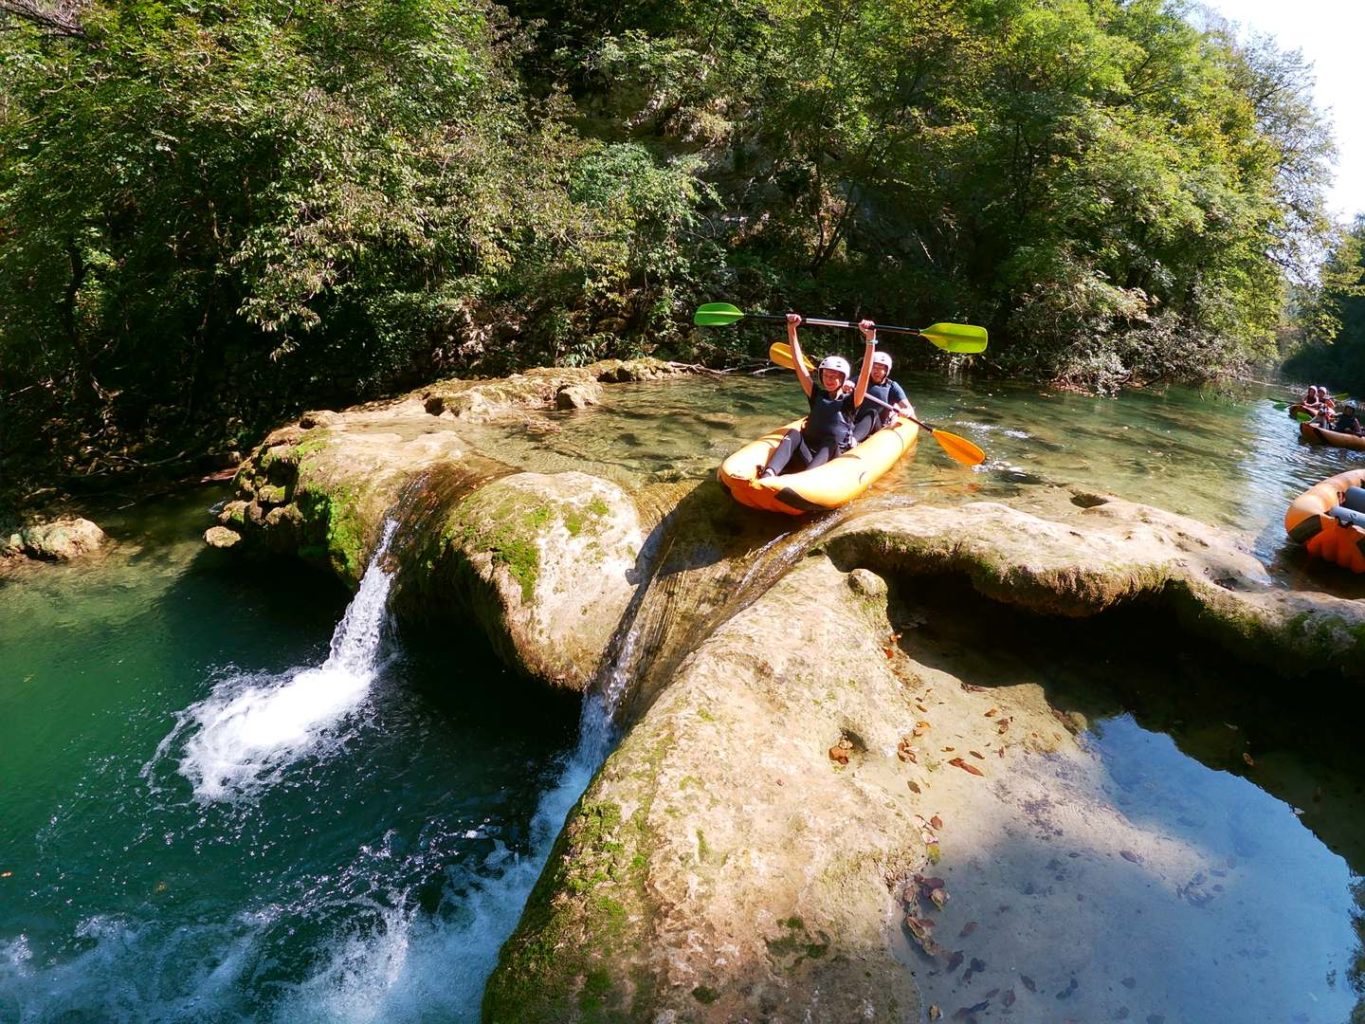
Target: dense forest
{"x":1331,"y":317}
{"x":214,"y":213}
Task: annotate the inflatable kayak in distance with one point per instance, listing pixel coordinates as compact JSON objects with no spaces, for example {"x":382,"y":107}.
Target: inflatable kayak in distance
{"x":1329,"y":520}
{"x":826,"y":487}
{"x":1299,"y":407}
{"x":1321,"y":435}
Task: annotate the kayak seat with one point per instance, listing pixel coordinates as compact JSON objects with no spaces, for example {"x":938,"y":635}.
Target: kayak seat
{"x":1354,"y":499}
{"x":1347,"y":516}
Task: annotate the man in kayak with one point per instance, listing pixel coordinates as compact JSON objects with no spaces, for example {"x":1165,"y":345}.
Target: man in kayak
{"x":872,"y":417}
{"x":1348,"y":422}
{"x":828,"y":430}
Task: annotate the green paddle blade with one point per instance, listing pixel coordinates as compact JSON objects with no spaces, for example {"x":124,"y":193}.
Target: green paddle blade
{"x":717,"y":314}
{"x":962,"y":339}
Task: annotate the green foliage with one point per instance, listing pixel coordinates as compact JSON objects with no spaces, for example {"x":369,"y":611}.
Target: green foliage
{"x":1331,"y":317}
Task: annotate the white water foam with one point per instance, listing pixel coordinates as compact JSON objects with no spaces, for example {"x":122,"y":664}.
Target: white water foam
{"x":246,"y":733}
{"x":417,"y":967}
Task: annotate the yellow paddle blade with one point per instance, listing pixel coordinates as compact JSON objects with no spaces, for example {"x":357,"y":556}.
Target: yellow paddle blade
{"x":959,"y":449}
{"x":781,"y":354}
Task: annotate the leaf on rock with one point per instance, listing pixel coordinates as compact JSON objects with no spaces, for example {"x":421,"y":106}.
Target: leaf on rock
{"x":967,"y":929}
{"x":936,"y":822}
{"x":971,"y":769}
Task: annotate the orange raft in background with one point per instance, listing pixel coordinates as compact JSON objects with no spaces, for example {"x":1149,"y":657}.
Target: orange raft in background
{"x":1333,"y":538}
{"x":1321,"y":435}
{"x":836,"y":483}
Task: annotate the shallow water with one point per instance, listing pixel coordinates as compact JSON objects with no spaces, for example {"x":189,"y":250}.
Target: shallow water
{"x":1233,"y":461}
{"x":1196,"y":858}
{"x":223,"y":803}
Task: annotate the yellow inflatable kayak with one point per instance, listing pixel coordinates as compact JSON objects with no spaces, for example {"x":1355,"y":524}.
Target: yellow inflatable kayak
{"x":1326,"y":521}
{"x":836,"y":483}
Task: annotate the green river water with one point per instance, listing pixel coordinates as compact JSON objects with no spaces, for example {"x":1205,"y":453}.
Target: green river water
{"x":228,"y":792}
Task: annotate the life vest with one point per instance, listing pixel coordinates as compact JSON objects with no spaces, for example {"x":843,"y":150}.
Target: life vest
{"x":830,"y":419}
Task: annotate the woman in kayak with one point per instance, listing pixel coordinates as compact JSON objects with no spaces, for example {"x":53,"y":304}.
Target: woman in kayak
{"x":872,"y":417}
{"x":828,"y":430}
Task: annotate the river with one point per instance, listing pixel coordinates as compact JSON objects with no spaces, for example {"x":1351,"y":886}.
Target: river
{"x":232,"y":793}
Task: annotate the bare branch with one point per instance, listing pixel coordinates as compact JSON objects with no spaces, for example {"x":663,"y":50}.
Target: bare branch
{"x":57,"y":17}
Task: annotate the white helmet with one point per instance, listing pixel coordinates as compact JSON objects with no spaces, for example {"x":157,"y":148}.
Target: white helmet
{"x":881,"y":359}
{"x":835,"y":363}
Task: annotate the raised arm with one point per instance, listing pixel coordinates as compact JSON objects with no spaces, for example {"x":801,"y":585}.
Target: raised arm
{"x":802,"y":374}
{"x":869,"y":330}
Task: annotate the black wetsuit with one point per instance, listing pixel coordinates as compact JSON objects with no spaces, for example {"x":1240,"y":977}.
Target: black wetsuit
{"x":1347,"y":423}
{"x":872,"y":417}
{"x":827,"y":433}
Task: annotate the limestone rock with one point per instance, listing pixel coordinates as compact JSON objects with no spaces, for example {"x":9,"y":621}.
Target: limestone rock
{"x":1095,"y":553}
{"x":867,"y":583}
{"x":319,"y":418}
{"x":61,"y":540}
{"x":221,"y":537}
{"x":547,"y":563}
{"x":539,"y":388}
{"x":722,"y":867}
{"x":578,"y":396}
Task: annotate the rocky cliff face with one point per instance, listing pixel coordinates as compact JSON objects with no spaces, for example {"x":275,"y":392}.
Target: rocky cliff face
{"x":761,"y":844}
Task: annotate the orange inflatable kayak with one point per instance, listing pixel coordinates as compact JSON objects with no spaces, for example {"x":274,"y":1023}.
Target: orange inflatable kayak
{"x":1322,"y":520}
{"x":836,"y":483}
{"x":1321,"y":435}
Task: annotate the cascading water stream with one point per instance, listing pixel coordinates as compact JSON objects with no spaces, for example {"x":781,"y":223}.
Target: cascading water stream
{"x":246,"y":733}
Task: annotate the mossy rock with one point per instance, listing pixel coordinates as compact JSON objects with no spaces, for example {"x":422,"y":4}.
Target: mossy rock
{"x":546,"y":563}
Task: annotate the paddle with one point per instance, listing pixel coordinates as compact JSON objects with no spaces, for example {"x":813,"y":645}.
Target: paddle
{"x":960,"y":339}
{"x":955,"y":447}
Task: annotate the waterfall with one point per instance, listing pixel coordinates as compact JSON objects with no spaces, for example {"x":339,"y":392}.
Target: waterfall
{"x":244,"y":735}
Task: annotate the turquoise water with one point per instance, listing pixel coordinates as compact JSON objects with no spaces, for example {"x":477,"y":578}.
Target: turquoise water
{"x":342,"y":859}
{"x":224,"y":800}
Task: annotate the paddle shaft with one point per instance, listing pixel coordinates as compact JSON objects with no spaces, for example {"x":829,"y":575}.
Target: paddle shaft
{"x":901,"y":412}
{"x":815,"y":322}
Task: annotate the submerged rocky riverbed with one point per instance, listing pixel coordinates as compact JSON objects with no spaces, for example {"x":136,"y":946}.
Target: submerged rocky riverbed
{"x":769,"y":838}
